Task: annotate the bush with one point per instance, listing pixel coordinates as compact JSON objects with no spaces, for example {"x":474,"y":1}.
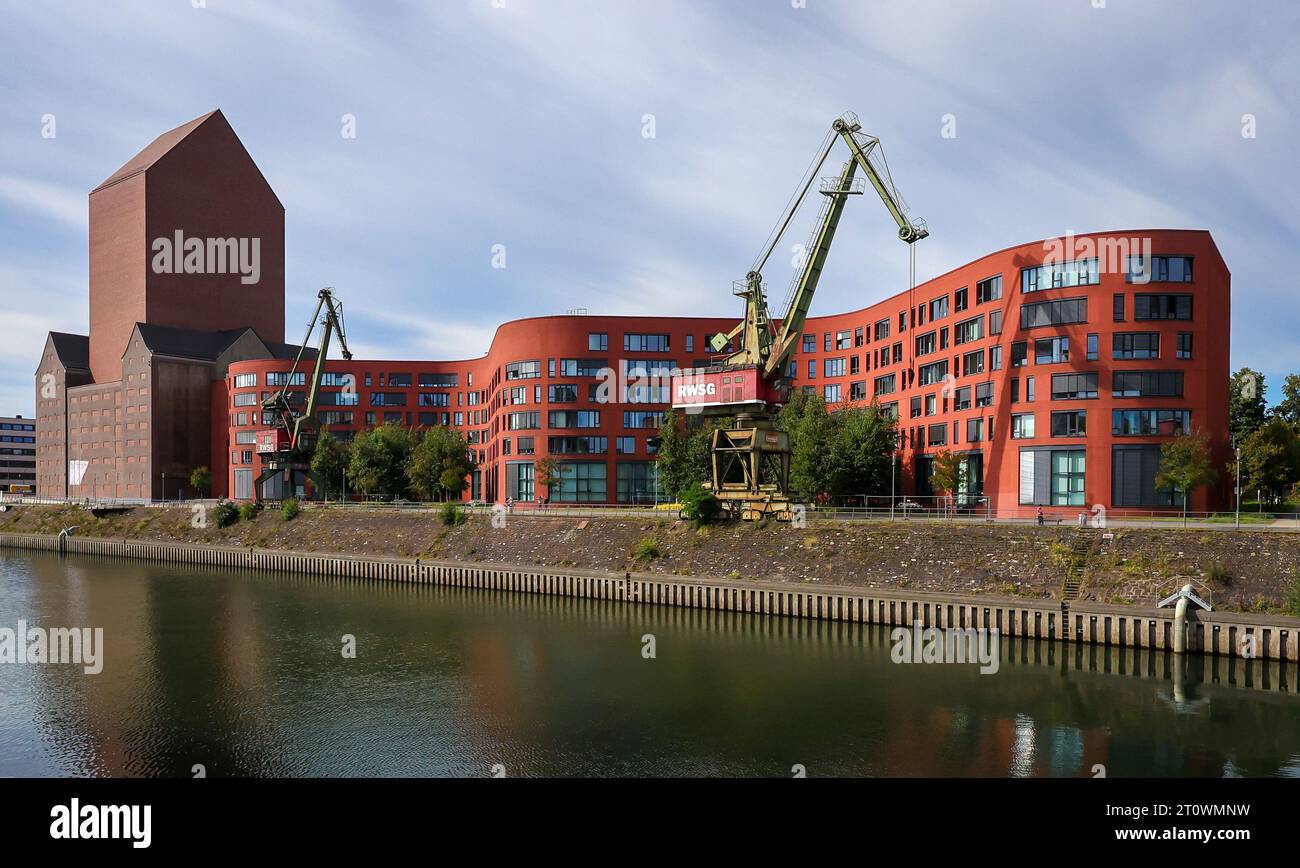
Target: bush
{"x":1218,"y":574}
{"x":290,"y":509}
{"x":646,"y":550}
{"x":226,"y":513}
{"x":450,"y":514}
{"x":1291,"y":605}
{"x":249,"y":511}
{"x":699,"y":505}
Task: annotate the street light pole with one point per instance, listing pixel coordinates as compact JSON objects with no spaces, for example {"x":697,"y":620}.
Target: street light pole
{"x":164,"y":487}
{"x":893,"y":462}
{"x":1237,"y":453}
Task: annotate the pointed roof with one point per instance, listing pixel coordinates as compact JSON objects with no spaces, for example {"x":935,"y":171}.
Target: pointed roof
{"x":206,"y":346}
{"x":73,"y":350}
{"x":157,"y":149}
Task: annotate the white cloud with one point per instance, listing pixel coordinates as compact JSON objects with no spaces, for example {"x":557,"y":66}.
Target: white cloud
{"x":56,"y":202}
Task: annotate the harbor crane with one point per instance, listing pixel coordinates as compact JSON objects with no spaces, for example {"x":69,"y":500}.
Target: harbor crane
{"x":751,"y":462}
{"x":286,"y":448}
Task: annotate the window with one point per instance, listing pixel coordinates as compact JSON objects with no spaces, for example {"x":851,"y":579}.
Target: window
{"x":989,"y":289}
{"x":524,"y":370}
{"x":858,"y":391}
{"x":995,"y":358}
{"x":1148,"y":423}
{"x":1051,"y":351}
{"x":1051,"y":313}
{"x":975,"y":429}
{"x":643,"y":418}
{"x":812,"y":369}
{"x":1133,"y":477}
{"x":1022,"y":426}
{"x":902,"y":321}
{"x":245,"y":381}
{"x":434,"y":399}
{"x":1160,"y":269}
{"x":931,"y":405}
{"x":983,"y":394}
{"x":598,"y":341}
{"x":1068,"y":469}
{"x":834,"y":367}
{"x":939,"y":308}
{"x":625,"y":445}
{"x":1015,"y":390}
{"x":521,"y":421}
{"x":937,"y":435}
{"x":246,"y":399}
{"x":914,"y":407}
{"x":898,"y":352}
{"x":562,"y":393}
{"x":826,"y":342}
{"x":843,"y":340}
{"x":580,"y":482}
{"x":582,"y":367}
{"x":1147,"y":306}
{"x":855,"y":364}
{"x":885,"y":385}
{"x":1029,"y":389}
{"x":573,"y":419}
{"x":933,"y":373}
{"x":1070,"y":423}
{"x":995,"y":322}
{"x":1184,"y":345}
{"x":1019,"y":354}
{"x":962,"y":399}
{"x":882,"y":330}
{"x":644,"y":343}
{"x":831,"y":393}
{"x":1080,"y":272}
{"x":972,"y":363}
{"x":433,"y":381}
{"x":578,"y":445}
{"x":399,"y":381}
{"x":810,"y":343}
{"x":335,"y":417}
{"x":1074,"y":387}
{"x":925,"y":344}
{"x":1092,"y":348}
{"x":526,"y":446}
{"x":1147,"y":384}
{"x":638,"y":482}
{"x":968,"y":330}
{"x":1118,"y":309}
{"x":280,"y":378}
{"x":960,"y":299}
{"x":1136,"y":345}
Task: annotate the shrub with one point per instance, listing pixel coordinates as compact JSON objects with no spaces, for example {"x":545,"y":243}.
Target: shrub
{"x":249,"y":511}
{"x":699,"y":505}
{"x":1291,"y":605}
{"x":226,"y":513}
{"x":450,"y":514}
{"x":646,"y":550}
{"x":1219,"y":575}
{"x":290,"y":509}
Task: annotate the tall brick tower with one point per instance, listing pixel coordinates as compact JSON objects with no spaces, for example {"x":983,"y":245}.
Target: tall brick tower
{"x":199,"y":181}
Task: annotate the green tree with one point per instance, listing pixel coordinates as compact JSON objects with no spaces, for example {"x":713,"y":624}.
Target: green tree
{"x":201,"y":479}
{"x":1270,"y":460}
{"x":1246,"y":406}
{"x":329,"y":462}
{"x":1185,"y":465}
{"x":860,"y":451}
{"x":683,"y":457}
{"x":439,"y":464}
{"x":547,"y":472}
{"x":945,"y":472}
{"x":1288,"y":409}
{"x":377,"y":463}
{"x":812,"y":443}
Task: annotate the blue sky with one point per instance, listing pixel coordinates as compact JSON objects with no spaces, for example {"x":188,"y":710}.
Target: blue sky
{"x":520,"y":123}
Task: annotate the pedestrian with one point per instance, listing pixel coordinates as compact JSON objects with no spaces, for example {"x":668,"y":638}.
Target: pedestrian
{"x":1040,"y":515}
{"x":510,"y":504}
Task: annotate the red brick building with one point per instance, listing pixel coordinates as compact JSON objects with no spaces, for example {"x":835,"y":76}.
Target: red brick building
{"x":1055,"y":369}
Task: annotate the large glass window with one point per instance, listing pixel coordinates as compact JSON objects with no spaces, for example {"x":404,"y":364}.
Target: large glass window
{"x":1148,"y":306}
{"x":1070,"y":423}
{"x":1136,"y":345}
{"x":1163,"y":269}
{"x":645,"y":343}
{"x":1071,"y":387}
{"x":1080,"y":272}
{"x":1068,"y":468}
{"x":1146,"y":423}
{"x":1147,"y":384}
{"x":524,"y":370}
{"x":638,"y":482}
{"x":989,"y":289}
{"x":1050,"y":313}
{"x":580,"y":482}
{"x":1050,"y":351}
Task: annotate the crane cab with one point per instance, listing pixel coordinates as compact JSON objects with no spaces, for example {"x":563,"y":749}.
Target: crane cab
{"x":725,"y":390}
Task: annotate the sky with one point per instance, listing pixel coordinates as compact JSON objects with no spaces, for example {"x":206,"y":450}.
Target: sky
{"x":631,"y":156}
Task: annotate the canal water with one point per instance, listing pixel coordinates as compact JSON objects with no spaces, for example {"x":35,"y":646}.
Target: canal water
{"x":243,"y":674}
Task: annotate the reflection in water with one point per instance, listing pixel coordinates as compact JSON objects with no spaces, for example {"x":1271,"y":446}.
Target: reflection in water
{"x":242,"y":672}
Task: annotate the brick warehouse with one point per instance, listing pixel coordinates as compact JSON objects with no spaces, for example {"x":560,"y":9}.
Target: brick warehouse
{"x":1057,"y":382}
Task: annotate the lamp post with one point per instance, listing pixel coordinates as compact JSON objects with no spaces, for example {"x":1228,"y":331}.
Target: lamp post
{"x":1237,"y":453}
{"x":164,"y":486}
{"x":893,"y":463}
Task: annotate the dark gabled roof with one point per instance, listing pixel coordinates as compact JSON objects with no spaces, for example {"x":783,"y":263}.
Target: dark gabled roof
{"x":156,"y":149}
{"x":206,"y":346}
{"x":73,"y":350}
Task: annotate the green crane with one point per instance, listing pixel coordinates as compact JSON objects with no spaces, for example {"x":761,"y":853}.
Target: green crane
{"x":287,"y":447}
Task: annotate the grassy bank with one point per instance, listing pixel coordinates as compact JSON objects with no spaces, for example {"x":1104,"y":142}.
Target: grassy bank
{"x":1246,"y":572}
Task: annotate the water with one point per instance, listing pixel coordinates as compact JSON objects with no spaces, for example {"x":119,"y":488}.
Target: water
{"x":243,"y":673}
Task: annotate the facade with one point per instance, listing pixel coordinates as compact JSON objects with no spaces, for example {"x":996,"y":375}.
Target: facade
{"x":1055,"y":369}
{"x":17,"y":455}
{"x":1057,"y":384}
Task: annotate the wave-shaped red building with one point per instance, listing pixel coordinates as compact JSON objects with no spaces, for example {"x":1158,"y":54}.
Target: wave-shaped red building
{"x":1055,"y":368}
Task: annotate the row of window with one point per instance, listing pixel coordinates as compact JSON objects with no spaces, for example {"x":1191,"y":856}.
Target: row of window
{"x":632,"y":419}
